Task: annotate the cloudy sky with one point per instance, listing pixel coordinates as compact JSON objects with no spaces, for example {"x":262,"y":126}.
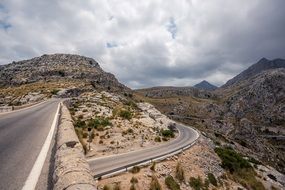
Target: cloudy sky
{"x":150,"y":42}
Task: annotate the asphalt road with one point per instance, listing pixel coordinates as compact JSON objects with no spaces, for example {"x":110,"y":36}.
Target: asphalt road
{"x":106,"y":164}
{"x":22,"y":135}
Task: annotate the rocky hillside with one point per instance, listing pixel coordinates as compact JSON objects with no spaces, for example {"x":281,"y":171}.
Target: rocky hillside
{"x":58,"y":67}
{"x":261,"y":65}
{"x":169,"y":91}
{"x":205,"y":85}
{"x":248,"y":115}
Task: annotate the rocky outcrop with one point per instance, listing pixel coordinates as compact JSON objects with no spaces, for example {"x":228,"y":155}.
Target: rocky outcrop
{"x":59,"y":68}
{"x":71,"y":168}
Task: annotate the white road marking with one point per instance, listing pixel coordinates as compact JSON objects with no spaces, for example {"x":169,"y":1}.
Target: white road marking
{"x":35,"y":173}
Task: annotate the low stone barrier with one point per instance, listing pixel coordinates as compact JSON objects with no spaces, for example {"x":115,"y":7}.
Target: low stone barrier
{"x":71,"y":168}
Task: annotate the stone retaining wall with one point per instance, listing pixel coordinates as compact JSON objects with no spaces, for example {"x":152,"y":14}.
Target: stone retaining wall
{"x":71,"y":168}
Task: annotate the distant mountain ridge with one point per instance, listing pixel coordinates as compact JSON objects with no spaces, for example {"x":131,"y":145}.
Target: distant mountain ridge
{"x":205,"y":85}
{"x":171,"y":91}
{"x":261,"y":65}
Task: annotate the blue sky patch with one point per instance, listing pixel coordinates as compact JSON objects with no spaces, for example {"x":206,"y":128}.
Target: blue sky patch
{"x":172,"y":27}
{"x":111,"y":45}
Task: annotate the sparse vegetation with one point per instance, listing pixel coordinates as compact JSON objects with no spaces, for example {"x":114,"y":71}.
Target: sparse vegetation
{"x":239,"y":168}
{"x":155,"y":185}
{"x":99,"y":123}
{"x":179,"y":172}
{"x":171,"y":183}
{"x":126,"y":114}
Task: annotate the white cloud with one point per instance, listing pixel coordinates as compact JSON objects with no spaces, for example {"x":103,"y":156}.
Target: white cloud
{"x":146,"y":43}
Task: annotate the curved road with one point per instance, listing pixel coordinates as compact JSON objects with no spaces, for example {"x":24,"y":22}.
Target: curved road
{"x":22,"y":135}
{"x":105,"y":165}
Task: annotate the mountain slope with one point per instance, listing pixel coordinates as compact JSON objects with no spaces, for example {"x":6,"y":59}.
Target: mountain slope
{"x":58,"y":67}
{"x":205,"y":85}
{"x":261,"y":65}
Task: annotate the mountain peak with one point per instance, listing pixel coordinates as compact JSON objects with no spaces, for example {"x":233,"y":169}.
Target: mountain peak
{"x":205,"y":85}
{"x":262,"y":65}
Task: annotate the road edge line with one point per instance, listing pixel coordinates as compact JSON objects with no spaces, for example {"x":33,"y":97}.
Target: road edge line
{"x":32,"y":180}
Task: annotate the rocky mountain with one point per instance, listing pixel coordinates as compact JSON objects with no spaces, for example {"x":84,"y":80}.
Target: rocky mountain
{"x":170,"y":91}
{"x":205,"y":85}
{"x":58,"y":68}
{"x":261,"y":65}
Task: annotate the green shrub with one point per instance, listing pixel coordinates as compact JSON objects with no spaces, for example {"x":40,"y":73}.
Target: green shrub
{"x":196,"y":183}
{"x":135,"y":169}
{"x":126,"y":114}
{"x":80,"y":124}
{"x":231,"y":160}
{"x":240,"y":168}
{"x":99,"y":123}
{"x":171,"y":183}
{"x":179,"y":172}
{"x":212,"y":179}
{"x":167,"y":133}
{"x":154,"y":184}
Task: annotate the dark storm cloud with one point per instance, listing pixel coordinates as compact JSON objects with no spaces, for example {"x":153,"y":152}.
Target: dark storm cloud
{"x":147,"y":43}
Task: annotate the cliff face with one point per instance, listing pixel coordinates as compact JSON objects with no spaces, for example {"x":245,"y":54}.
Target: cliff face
{"x":58,"y":67}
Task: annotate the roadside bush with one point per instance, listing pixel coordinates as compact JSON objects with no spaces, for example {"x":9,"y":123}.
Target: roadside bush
{"x":135,"y":169}
{"x":79,"y":123}
{"x":154,"y":184}
{"x":167,"y":133}
{"x":171,"y":183}
{"x":196,"y":183}
{"x":212,"y":179}
{"x":152,"y":166}
{"x":179,"y":172}
{"x":134,"y":180}
{"x":157,"y":139}
{"x":54,"y":91}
